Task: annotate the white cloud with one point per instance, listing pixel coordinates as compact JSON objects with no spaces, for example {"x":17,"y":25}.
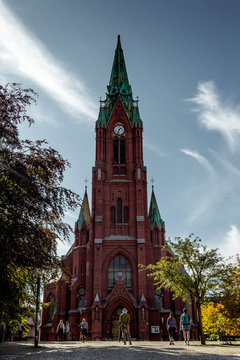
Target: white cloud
{"x":201,"y":159}
{"x":22,"y":54}
{"x":217,"y":115}
{"x":153,"y":148}
{"x":230,"y":245}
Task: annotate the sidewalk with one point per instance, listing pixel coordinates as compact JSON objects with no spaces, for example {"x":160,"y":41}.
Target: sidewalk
{"x":115,"y":350}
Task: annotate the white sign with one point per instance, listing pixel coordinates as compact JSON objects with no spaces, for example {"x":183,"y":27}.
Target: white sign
{"x":155,"y":329}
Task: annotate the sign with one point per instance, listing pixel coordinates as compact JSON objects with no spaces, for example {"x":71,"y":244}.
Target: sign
{"x":155,"y":329}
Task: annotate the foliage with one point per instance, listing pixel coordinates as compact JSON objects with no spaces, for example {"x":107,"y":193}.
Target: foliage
{"x":216,"y":321}
{"x":189,"y":270}
{"x":230,"y":292}
{"x":32,"y":202}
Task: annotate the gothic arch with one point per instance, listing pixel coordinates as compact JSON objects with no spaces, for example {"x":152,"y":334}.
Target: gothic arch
{"x":119,"y":251}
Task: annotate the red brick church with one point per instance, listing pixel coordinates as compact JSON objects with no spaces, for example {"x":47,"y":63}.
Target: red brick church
{"x":118,"y":234}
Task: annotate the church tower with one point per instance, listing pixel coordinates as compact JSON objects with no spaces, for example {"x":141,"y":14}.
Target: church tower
{"x":119,"y":234}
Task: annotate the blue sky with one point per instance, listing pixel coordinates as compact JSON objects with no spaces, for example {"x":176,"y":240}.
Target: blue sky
{"x":182,"y":58}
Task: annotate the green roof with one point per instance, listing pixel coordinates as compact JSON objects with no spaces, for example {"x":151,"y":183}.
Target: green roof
{"x":154,"y":213}
{"x":119,"y":87}
{"x":84,"y":215}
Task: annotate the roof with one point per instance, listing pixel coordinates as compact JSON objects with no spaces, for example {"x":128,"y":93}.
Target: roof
{"x":119,"y":87}
{"x":84,"y":215}
{"x":154,"y":213}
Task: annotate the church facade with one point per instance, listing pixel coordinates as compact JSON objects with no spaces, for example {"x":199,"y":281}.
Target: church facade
{"x":120,"y":233}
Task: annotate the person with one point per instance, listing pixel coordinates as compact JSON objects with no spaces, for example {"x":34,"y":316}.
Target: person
{"x":21,"y":329}
{"x":9,"y":332}
{"x":185,"y":326}
{"x":120,"y":332}
{"x":83,"y":330}
{"x":60,"y":330}
{"x":171,"y":328}
{"x":124,"y":320}
{"x":68,"y":330}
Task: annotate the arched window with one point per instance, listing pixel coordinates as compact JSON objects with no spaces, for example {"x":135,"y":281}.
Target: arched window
{"x":115,"y":150}
{"x":122,"y":151}
{"x":125,"y":215}
{"x":52,"y":307}
{"x":81,"y":297}
{"x":119,"y":211}
{"x":97,"y":314}
{"x":83,"y":237}
{"x":119,"y":266}
{"x":113,"y":215}
{"x":155,"y":237}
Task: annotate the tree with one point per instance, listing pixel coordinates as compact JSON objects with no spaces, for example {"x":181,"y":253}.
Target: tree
{"x":32,"y":200}
{"x":230,"y":291}
{"x":189,"y":270}
{"x":217,"y":321}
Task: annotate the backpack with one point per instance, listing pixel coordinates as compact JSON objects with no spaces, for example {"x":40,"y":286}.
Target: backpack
{"x":185,"y":319}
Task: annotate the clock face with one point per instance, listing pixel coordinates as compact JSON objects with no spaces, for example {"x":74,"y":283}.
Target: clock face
{"x":119,"y":130}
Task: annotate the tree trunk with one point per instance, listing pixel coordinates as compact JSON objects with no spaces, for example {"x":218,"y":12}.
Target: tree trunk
{"x":201,"y":334}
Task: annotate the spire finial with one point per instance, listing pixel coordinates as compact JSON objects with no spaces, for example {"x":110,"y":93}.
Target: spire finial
{"x":86,"y":181}
{"x":152,"y":181}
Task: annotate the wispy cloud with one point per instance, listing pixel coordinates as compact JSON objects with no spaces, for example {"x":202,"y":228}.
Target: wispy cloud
{"x":153,"y":148}
{"x":201,"y":159}
{"x":217,"y":115}
{"x":22,"y":54}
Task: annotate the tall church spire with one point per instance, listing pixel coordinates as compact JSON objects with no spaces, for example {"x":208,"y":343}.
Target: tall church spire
{"x":118,"y":83}
{"x":119,"y":87}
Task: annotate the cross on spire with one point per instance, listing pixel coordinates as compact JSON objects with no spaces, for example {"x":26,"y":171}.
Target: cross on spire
{"x":152,"y":181}
{"x":86,"y":181}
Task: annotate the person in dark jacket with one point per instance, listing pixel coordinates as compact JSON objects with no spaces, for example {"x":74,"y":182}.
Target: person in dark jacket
{"x":171,"y":328}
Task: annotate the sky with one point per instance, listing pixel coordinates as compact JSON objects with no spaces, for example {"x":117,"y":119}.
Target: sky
{"x":182,"y":59}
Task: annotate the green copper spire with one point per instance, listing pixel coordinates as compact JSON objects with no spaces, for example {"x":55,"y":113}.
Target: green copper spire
{"x":154,"y":213}
{"x":119,"y":80}
{"x":119,"y":87}
{"x":84,"y":214}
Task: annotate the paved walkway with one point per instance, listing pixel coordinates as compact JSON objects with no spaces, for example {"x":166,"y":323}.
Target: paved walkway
{"x":109,"y":350}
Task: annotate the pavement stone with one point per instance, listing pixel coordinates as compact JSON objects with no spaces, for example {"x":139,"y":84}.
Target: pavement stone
{"x":109,"y":350}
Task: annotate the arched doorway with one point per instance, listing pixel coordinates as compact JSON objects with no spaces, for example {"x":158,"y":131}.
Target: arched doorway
{"x":111,"y":316}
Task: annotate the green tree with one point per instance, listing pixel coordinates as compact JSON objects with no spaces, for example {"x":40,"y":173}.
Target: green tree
{"x":189,"y":270}
{"x":32,"y":201}
{"x":230,"y":290}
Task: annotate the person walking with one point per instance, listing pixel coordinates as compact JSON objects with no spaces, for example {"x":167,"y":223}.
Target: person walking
{"x":60,"y":330}
{"x":124,"y":320}
{"x":83,"y":330}
{"x":171,"y":328}
{"x":68,"y":330}
{"x":21,"y":329}
{"x":185,"y":325}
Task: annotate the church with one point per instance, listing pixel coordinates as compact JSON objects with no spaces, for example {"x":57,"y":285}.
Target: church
{"x":118,"y":233}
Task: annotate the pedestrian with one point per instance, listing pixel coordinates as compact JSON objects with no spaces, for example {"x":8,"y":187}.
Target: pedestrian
{"x":21,"y":329}
{"x":68,"y":330}
{"x":120,"y":332}
{"x":60,"y":330}
{"x":124,"y":320}
{"x":171,"y":328}
{"x":9,"y":333}
{"x":185,"y":326}
{"x":83,"y":330}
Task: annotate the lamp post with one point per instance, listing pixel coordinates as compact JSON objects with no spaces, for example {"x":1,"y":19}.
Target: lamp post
{"x":37,"y":318}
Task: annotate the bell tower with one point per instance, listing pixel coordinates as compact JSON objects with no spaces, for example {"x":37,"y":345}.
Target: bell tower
{"x":120,"y":225}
